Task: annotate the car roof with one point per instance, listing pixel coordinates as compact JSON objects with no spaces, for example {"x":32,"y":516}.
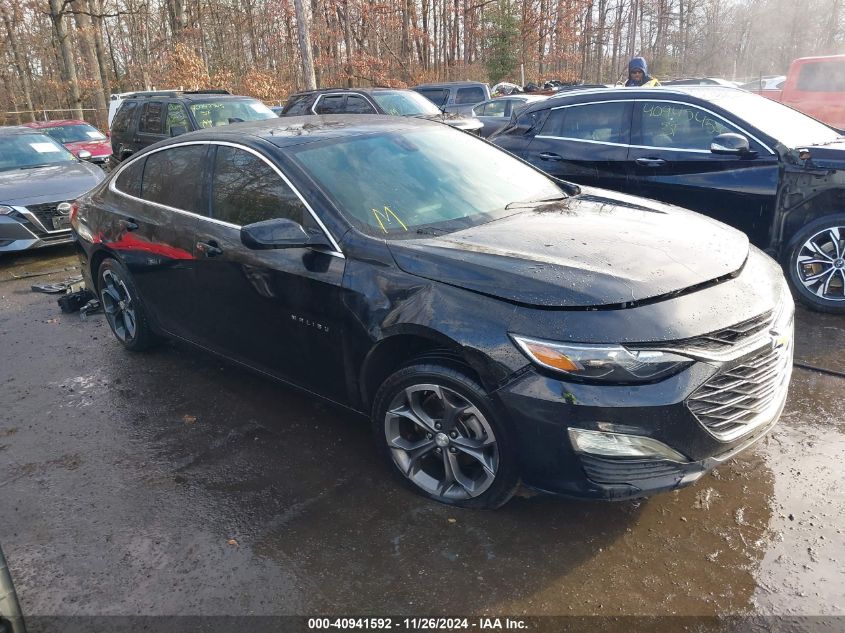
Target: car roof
{"x":16,"y":130}
{"x":368,"y":90}
{"x":439,"y":84}
{"x":43,"y":124}
{"x":199,"y":96}
{"x":704,"y":93}
{"x":299,"y":130}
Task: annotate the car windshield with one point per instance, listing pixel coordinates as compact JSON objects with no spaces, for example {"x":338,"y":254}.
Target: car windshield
{"x":404,"y":103}
{"x":789,"y":126}
{"x":74,"y":133}
{"x":429,"y":181}
{"x":25,"y":151}
{"x":217,"y":113}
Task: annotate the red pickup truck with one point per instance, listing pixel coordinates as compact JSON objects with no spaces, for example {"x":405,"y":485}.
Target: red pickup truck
{"x":815,"y":86}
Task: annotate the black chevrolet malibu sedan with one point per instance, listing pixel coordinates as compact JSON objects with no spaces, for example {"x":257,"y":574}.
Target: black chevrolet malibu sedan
{"x":495,"y":325}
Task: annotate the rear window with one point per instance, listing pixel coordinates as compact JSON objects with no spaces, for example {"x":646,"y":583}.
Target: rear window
{"x":123,"y":118}
{"x":822,"y":77}
{"x":474,"y":94}
{"x":436,"y":95}
{"x":297,"y":105}
{"x":74,"y":133}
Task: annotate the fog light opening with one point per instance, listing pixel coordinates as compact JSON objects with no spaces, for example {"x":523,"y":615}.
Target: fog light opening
{"x":622,"y":446}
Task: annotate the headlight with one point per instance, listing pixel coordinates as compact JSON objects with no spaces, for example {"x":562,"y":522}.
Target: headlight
{"x":4,"y":210}
{"x":605,"y":363}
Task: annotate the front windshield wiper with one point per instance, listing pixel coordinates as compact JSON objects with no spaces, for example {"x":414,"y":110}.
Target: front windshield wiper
{"x":430,"y":230}
{"x":530,"y":203}
{"x":35,"y":166}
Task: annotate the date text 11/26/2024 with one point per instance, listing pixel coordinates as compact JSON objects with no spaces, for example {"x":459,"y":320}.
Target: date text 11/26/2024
{"x":417,"y":624}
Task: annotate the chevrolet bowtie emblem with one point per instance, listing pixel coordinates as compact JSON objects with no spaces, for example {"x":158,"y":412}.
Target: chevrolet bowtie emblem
{"x":779,"y":339}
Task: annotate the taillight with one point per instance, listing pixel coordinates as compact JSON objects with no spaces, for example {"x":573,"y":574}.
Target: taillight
{"x":74,"y":210}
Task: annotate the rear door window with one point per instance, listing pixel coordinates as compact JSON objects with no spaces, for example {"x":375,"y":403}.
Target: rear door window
{"x":174,"y":177}
{"x":822,"y":76}
{"x":129,"y":180}
{"x":330,"y":104}
{"x":245,"y":189}
{"x":356,"y":104}
{"x":177,"y":116}
{"x":495,"y":108}
{"x":601,"y":122}
{"x":151,"y":118}
{"x":472,"y":94}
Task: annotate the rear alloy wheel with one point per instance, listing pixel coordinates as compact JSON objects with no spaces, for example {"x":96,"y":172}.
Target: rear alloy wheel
{"x":817,"y":265}
{"x":124,"y":312}
{"x":440,"y":433}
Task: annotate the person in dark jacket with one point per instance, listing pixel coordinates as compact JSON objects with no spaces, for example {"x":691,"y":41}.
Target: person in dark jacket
{"x":638,"y":74}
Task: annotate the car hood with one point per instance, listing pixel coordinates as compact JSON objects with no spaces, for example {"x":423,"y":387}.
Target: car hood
{"x":828,"y":156}
{"x":62,"y":181}
{"x":455,"y":120}
{"x":100,"y":147}
{"x":596,"y":249}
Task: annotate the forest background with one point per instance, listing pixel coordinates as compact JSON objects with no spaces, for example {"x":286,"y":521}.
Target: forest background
{"x":63,"y":58}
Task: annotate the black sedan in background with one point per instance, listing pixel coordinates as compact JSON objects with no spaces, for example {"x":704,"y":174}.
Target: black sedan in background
{"x":494,"y":324}
{"x":39,"y":179}
{"x":770,"y":171}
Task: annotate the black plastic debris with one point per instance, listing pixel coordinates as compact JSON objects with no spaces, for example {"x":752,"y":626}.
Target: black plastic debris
{"x":59,"y":287}
{"x":74,"y":301}
{"x":92,"y":307}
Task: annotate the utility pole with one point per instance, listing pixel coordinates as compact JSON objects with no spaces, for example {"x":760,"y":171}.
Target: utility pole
{"x":304,"y":31}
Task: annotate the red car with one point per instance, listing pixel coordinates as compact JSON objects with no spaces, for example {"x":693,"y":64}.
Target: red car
{"x":77,"y":136}
{"x":815,"y":86}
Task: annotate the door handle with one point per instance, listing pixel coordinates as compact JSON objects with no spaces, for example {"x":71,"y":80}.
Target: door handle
{"x":209,"y":249}
{"x":650,"y":162}
{"x":128,"y":224}
{"x":550,"y":156}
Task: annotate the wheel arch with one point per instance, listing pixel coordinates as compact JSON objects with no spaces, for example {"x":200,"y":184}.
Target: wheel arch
{"x":827,"y":202}
{"x":398,"y":349}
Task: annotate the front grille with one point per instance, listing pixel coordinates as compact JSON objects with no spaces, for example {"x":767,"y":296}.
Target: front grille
{"x":45,"y":213}
{"x":733,"y":402}
{"x":728,"y":337}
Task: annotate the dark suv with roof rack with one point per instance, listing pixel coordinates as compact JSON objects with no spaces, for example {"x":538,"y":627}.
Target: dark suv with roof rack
{"x":145,"y":118}
{"x":392,"y":101}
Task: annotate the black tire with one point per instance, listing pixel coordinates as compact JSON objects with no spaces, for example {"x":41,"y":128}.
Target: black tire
{"x":819,"y":286}
{"x":124,"y":309}
{"x":478,"y":449}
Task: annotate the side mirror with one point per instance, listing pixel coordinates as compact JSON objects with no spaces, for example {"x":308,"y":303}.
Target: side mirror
{"x":176,"y":130}
{"x":279,"y":233}
{"x":730,"y":143}
{"x":83,"y":154}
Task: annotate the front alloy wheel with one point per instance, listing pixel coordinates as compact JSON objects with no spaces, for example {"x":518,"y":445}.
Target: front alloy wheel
{"x":821,"y":264}
{"x":441,"y":431}
{"x":441,"y":442}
